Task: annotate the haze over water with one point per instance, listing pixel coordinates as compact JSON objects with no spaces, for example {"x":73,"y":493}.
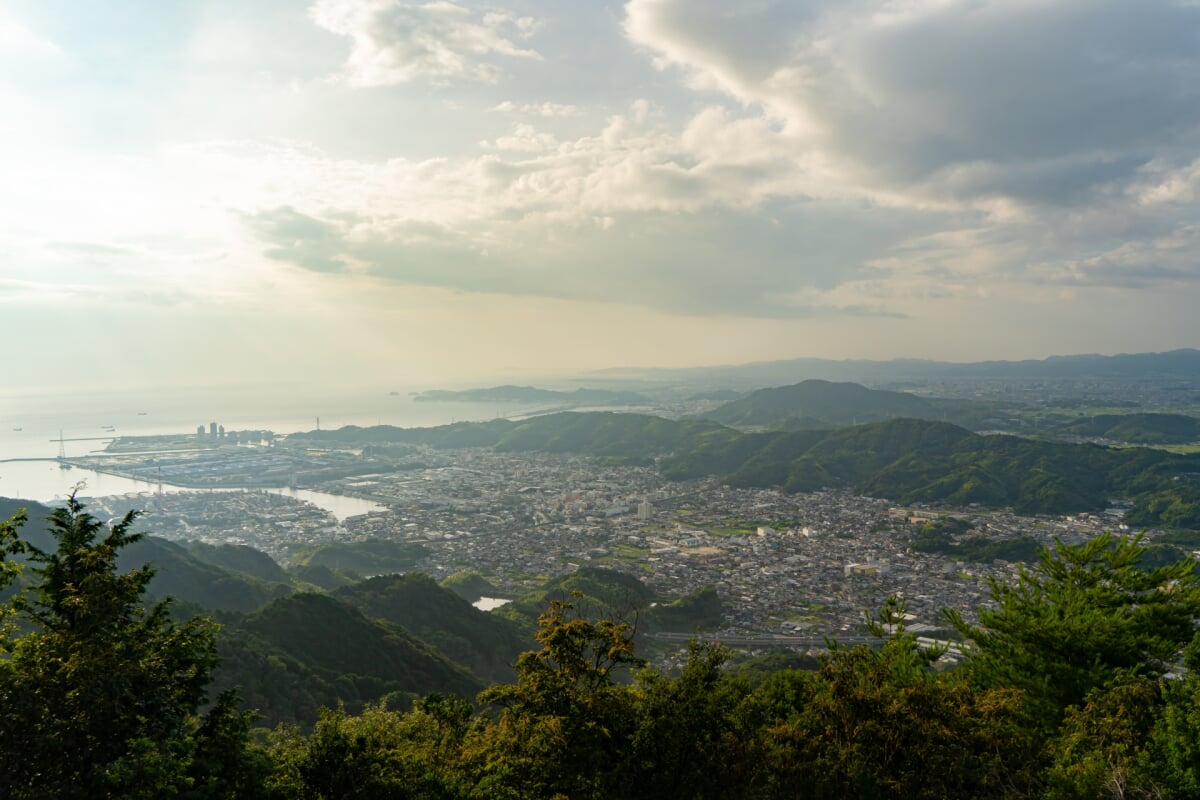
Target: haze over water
{"x":30,"y":425}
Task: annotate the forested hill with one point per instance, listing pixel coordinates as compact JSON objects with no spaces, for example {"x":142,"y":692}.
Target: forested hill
{"x":905,"y":460}
{"x":603,"y":433}
{"x":1137,"y":428}
{"x":817,"y":404}
{"x":1181,"y":365}
{"x":309,"y":650}
{"x":530,"y":394}
{"x":917,"y":461}
{"x":486,"y":644}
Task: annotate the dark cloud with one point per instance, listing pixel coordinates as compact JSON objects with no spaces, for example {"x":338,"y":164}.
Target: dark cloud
{"x":1041,"y":101}
{"x":762,"y":263}
{"x":299,"y":239}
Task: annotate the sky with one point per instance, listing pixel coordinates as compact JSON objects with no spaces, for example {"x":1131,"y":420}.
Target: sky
{"x":373,"y":192}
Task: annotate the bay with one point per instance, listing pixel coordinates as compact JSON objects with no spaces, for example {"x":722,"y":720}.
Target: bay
{"x":31,"y":425}
{"x":46,"y":482}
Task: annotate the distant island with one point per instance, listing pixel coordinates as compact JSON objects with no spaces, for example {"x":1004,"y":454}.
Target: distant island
{"x":531,"y":394}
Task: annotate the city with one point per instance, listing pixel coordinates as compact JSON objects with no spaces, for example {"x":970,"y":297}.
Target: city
{"x":784,"y":565}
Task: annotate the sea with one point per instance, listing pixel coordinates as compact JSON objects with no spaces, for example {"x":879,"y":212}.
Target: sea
{"x":35,"y":425}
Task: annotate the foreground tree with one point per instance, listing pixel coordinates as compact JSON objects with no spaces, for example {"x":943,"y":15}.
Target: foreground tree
{"x":1083,"y":616}
{"x":100,"y":697}
{"x":564,"y":726}
{"x":697,"y":734}
{"x":881,"y":724}
{"x":377,"y":755}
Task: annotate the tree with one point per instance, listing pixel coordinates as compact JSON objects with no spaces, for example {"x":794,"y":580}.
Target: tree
{"x":99,"y":698}
{"x":376,"y":755}
{"x":879,"y":723}
{"x":1101,"y":749}
{"x":565,"y":724}
{"x":696,"y":734}
{"x":10,"y":544}
{"x":1080,"y":617}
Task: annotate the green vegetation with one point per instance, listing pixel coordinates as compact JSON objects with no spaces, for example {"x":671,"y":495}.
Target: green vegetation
{"x":485,"y":644}
{"x":310,"y":650}
{"x":1174,"y":508}
{"x":239,"y":558}
{"x":1070,"y":688}
{"x":528,"y":394}
{"x":699,"y":611}
{"x":1137,"y":428}
{"x":911,"y":461}
{"x":859,"y":722}
{"x":372,"y":557}
{"x":601,"y":433}
{"x":180,"y":574}
{"x":101,"y":697}
{"x":817,"y":404}
{"x":323,"y":577}
{"x":904,"y":460}
{"x":471,"y":586}
{"x":944,"y":535}
{"x":756,"y":670}
{"x":608,"y":593}
{"x":1082,"y":618}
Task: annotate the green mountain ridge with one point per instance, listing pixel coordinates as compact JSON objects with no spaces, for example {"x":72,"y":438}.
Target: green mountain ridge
{"x":905,"y":460}
{"x":1137,"y":428}
{"x":820,"y":403}
{"x":483,"y":643}
{"x":919,"y":461}
{"x":325,"y":648}
{"x":530,"y":394}
{"x":370,"y":557}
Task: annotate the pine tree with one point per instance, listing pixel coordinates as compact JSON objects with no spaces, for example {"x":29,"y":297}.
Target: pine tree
{"x":99,"y":697}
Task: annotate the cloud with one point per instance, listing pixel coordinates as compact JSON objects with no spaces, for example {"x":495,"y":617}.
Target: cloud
{"x":524,"y":138}
{"x":944,"y":100}
{"x":299,"y":239}
{"x":1172,"y":261}
{"x":546,"y":109}
{"x":395,"y":42}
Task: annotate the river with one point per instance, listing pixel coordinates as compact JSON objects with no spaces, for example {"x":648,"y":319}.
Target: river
{"x":47,"y":482}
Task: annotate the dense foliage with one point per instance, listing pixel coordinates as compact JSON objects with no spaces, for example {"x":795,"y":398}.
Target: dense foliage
{"x":1079,"y":682}
{"x":1137,"y":428}
{"x":911,"y":461}
{"x":100,"y":697}
{"x":486,"y":645}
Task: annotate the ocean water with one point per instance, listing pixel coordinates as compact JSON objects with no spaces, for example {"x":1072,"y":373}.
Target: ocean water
{"x":31,"y":424}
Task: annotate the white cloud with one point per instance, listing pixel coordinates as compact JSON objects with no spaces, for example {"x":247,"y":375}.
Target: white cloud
{"x":395,"y":42}
{"x":524,"y":138}
{"x":546,"y":109}
{"x":957,"y":100}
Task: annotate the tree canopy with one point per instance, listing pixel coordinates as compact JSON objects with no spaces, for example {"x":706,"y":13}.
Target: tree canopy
{"x":1078,"y":682}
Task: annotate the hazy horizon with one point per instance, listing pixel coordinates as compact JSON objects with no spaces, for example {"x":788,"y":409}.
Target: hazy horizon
{"x":416,"y":194}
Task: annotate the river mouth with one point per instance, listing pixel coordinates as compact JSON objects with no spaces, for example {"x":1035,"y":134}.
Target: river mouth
{"x":47,"y":481}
